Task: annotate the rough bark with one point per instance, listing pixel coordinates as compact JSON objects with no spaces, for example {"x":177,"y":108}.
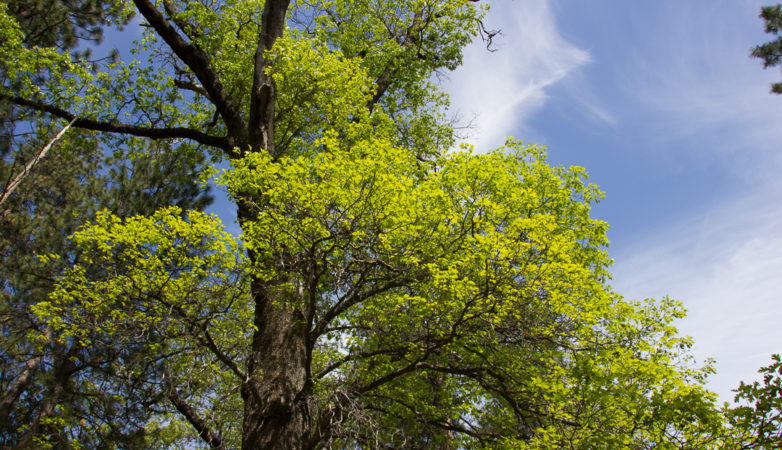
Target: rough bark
{"x":277,"y":382}
{"x":204,"y":431}
{"x":276,"y":413}
{"x":263,"y":94}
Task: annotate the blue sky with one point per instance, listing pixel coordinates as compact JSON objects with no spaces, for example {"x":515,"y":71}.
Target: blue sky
{"x":662,"y":105}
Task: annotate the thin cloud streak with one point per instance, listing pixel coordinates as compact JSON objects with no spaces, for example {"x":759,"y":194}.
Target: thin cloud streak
{"x":706,"y":107}
{"x":725,"y":266}
{"x":498,"y":91}
{"x":702,"y":85}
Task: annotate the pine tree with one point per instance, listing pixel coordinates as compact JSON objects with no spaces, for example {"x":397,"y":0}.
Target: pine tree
{"x":771,"y":52}
{"x":45,"y":380}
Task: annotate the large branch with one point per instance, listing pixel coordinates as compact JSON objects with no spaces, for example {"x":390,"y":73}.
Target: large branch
{"x":263,"y":95}
{"x":22,"y":380}
{"x":17,"y":387}
{"x":206,"y":434}
{"x":122,"y":128}
{"x":394,"y":351}
{"x":352,"y":300}
{"x":198,"y":61}
{"x":188,"y":28}
{"x":206,"y":339}
{"x":382,"y":84}
{"x":384,"y":81}
{"x":191,"y":86}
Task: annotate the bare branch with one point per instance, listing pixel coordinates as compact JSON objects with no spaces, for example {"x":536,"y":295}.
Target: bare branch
{"x":225,"y":359}
{"x":206,"y":339}
{"x":186,"y":27}
{"x":191,"y":86}
{"x":121,"y":128}
{"x":350,"y":301}
{"x":11,"y":186}
{"x":206,"y":434}
{"x":488,"y":35}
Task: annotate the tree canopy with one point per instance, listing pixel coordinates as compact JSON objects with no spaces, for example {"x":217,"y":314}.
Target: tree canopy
{"x":388,"y":289}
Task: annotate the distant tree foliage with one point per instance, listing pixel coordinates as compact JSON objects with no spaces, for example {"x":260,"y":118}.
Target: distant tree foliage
{"x":759,"y":410}
{"x":771,"y":52}
{"x":64,"y":24}
{"x":67,"y":188}
{"x":60,"y":23}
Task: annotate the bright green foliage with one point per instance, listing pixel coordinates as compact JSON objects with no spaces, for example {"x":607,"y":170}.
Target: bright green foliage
{"x":477,"y":286}
{"x":49,"y":23}
{"x":758,"y":421}
{"x":24,"y":65}
{"x":400,"y":44}
{"x":164,"y":287}
{"x":408,"y":295}
{"x":771,"y":52}
{"x":153,"y":269}
{"x":319,"y":89}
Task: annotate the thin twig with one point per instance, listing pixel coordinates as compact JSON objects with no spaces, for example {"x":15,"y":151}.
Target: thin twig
{"x":29,"y":167}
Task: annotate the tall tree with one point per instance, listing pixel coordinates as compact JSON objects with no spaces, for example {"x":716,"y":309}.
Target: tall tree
{"x":386,"y":292}
{"x":771,"y":52}
{"x":46,"y":383}
{"x":52,"y":202}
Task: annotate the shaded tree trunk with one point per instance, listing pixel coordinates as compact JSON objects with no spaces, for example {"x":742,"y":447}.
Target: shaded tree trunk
{"x":18,"y":386}
{"x":276,"y":413}
{"x":22,"y":381}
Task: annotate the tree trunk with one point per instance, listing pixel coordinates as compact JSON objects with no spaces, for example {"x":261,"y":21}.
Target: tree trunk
{"x":276,"y":413}
{"x":18,"y":386}
{"x":63,"y":370}
{"x":22,"y":380}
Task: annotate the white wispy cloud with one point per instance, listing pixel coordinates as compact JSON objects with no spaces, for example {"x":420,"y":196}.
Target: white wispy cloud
{"x":725,"y":264}
{"x":498,"y":91}
{"x":695,"y":100}
{"x":707,"y":107}
{"x":696,"y":81}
